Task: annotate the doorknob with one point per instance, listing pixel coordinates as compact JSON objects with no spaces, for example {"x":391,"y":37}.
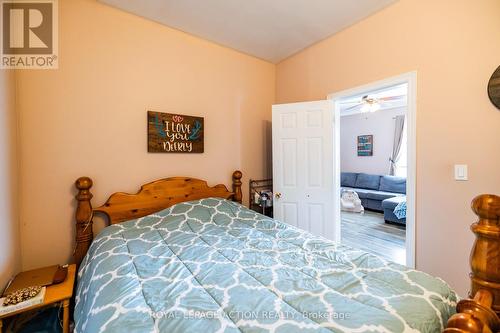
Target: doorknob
{"x":277,"y":195}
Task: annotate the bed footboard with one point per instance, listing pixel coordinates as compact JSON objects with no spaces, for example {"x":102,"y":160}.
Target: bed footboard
{"x":481,"y":314}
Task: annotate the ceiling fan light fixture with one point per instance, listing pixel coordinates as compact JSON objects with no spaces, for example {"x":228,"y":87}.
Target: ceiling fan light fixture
{"x":370,"y":105}
{"x":365,"y":108}
{"x":374,"y":107}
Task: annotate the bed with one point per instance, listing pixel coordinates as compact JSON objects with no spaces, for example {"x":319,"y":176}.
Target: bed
{"x":180,"y":256}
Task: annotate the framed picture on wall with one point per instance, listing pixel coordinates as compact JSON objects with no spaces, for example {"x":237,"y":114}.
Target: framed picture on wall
{"x":365,"y":145}
{"x":175,"y":133}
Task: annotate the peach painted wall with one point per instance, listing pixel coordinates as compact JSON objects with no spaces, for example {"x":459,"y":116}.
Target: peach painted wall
{"x":89,"y":117}
{"x":454,"y":46}
{"x":10,"y":259}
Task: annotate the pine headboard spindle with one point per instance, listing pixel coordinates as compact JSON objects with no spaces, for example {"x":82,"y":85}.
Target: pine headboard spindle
{"x":238,"y":195}
{"x":84,"y":214}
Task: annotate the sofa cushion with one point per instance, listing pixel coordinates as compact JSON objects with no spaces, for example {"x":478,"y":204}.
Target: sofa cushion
{"x":367,"y":181}
{"x":391,"y":203}
{"x":393,"y":184}
{"x":348,"y":179}
{"x":381,"y":195}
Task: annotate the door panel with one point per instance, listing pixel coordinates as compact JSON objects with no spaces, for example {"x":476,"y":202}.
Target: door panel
{"x":288,"y":120}
{"x":314,"y":162}
{"x":314,"y":119}
{"x":315,"y":213}
{"x":303,"y":173}
{"x":289,"y":162}
{"x":290,"y":213}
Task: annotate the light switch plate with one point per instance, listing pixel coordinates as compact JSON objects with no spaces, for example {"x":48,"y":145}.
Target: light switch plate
{"x":461,"y":172}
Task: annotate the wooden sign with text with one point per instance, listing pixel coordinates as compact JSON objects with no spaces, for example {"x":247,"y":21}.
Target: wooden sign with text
{"x":365,"y":145}
{"x":175,"y":133}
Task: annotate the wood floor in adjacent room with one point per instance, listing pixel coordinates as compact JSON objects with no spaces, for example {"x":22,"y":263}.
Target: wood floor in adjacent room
{"x":370,"y":233}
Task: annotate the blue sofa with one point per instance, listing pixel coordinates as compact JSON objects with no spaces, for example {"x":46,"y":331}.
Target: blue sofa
{"x":379,"y":193}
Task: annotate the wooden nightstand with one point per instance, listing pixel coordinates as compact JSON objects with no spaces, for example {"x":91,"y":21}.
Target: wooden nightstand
{"x":56,"y":294}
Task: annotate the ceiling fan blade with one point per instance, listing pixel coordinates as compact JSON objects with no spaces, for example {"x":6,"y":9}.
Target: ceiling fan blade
{"x":391,"y":98}
{"x":353,"y":107}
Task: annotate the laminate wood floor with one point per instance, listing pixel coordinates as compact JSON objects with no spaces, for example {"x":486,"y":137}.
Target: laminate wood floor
{"x":370,"y":233}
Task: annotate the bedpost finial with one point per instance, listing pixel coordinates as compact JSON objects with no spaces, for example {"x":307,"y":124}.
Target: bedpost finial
{"x":238,"y":194}
{"x":83,"y":183}
{"x":487,"y":206}
{"x":237,"y":175}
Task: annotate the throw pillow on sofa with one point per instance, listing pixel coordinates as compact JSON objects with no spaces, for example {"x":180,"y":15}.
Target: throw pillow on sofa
{"x":393,"y":184}
{"x":348,"y":179}
{"x":367,"y":181}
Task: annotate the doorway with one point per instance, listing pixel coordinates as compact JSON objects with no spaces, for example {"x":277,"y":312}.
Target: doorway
{"x":307,"y":162}
{"x":363,"y":180}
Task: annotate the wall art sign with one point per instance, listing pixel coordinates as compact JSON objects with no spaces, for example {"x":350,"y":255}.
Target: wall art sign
{"x":175,"y":133}
{"x":365,"y":145}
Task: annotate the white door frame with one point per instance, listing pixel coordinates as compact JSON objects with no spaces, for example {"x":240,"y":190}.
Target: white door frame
{"x":411,"y":118}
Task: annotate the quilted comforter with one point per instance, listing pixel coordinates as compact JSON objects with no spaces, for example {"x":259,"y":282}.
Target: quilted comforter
{"x":215,"y":266}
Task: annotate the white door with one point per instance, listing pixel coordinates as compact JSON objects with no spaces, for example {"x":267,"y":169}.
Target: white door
{"x":303,"y":166}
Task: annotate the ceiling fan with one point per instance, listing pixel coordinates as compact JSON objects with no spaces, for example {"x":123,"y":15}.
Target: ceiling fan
{"x":369,"y":103}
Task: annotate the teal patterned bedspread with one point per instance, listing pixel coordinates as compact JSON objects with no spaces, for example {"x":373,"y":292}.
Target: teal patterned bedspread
{"x":215,"y":266}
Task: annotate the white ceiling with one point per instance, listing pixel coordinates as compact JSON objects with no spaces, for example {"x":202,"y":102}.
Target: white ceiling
{"x":268,"y":29}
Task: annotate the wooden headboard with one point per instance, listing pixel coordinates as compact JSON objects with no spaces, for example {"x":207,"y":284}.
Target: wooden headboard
{"x":152,"y":197}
